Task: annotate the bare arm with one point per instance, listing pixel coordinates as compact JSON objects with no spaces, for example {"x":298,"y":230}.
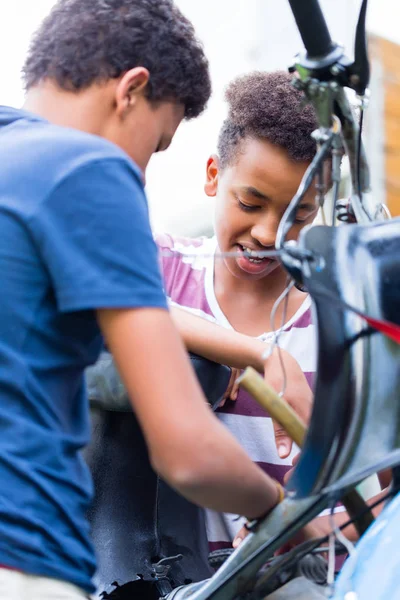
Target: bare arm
{"x":216,"y":343}
{"x":187,"y":444}
{"x":323,"y":525}
{"x":240,"y":351}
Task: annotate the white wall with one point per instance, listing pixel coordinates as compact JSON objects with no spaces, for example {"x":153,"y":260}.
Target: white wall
{"x":18,"y":19}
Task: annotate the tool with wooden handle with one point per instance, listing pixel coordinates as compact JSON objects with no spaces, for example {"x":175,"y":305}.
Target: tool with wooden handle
{"x":284,"y":414}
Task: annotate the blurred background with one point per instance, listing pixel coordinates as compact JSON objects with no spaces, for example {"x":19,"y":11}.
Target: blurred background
{"x":240,"y":36}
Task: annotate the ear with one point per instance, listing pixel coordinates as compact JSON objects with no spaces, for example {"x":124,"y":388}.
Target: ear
{"x":211,"y":184}
{"x":130,"y":87}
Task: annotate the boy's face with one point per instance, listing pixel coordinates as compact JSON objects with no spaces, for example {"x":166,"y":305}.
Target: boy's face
{"x":252,"y":195}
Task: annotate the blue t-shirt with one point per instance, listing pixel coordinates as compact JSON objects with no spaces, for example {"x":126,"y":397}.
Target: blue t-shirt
{"x":74,"y":236}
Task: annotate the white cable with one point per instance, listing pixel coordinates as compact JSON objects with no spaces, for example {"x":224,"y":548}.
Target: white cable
{"x":275,"y":344}
{"x":330,"y":579}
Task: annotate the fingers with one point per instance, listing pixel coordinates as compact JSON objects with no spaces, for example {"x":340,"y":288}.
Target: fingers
{"x":301,"y":402}
{"x":287,"y":476}
{"x":228,"y":391}
{"x":297,"y":393}
{"x":235,"y":388}
{"x":299,"y":396}
{"x":296,"y":459}
{"x":232,"y":390}
{"x":282,"y":441}
{"x":222,"y":403}
{"x":240,"y":536}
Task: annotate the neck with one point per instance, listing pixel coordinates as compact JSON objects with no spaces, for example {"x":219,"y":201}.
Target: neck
{"x":84,"y":110}
{"x":248,"y":303}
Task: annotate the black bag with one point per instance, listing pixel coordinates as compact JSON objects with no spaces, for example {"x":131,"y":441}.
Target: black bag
{"x":136,"y":518}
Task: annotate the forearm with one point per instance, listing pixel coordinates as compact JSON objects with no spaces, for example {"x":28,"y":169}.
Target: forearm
{"x":217,"y":343}
{"x":218,"y":474}
{"x":187,"y":445}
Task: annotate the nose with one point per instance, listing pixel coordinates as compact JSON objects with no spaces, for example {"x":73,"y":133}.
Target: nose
{"x":264,"y":230}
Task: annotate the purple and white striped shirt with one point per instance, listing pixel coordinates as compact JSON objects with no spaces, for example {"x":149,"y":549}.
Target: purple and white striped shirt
{"x":188,"y":271}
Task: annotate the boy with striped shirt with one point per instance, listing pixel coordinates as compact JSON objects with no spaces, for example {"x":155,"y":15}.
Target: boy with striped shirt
{"x":264,"y":148}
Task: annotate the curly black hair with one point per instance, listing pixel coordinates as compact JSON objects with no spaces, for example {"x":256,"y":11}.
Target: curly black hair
{"x":85,"y":41}
{"x":266,"y":106}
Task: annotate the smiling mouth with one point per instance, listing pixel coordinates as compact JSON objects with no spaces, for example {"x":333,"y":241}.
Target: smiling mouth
{"x":253,"y":256}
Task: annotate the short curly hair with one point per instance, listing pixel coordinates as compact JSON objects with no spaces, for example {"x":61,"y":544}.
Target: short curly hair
{"x":266,"y":106}
{"x":86,"y":41}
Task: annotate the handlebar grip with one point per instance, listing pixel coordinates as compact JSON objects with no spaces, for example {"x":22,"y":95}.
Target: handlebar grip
{"x":312,"y":27}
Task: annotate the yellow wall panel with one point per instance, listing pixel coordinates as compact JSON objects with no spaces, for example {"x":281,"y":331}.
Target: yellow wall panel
{"x":388,"y":55}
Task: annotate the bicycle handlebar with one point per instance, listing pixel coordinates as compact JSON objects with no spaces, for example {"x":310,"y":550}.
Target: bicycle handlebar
{"x":312,"y":27}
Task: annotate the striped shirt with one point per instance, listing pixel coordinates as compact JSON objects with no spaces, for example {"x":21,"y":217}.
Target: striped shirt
{"x":188,"y":271}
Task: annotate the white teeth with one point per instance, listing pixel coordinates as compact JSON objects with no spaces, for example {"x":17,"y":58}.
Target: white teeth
{"x":253,"y":254}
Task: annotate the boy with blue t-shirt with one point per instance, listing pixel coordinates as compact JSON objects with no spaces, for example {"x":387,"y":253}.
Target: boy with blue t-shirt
{"x":108,"y":82}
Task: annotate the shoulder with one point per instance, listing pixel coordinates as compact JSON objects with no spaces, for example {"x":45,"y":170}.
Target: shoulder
{"x":179,"y":243}
{"x":76,"y":151}
{"x":194,"y":252}
{"x":184,"y":262}
{"x":53,"y":153}
{"x":303,"y":319}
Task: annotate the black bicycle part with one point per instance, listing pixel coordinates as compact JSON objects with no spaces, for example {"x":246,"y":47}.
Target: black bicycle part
{"x":359,"y":145}
{"x":360,"y":70}
{"x":298,"y":553}
{"x":216,"y":558}
{"x":324,"y":59}
{"x":332,"y":460}
{"x":395,"y":485}
{"x":289,"y":216}
{"x":312,"y":567}
{"x":161,"y":574}
{"x":301,"y":561}
{"x":312,"y":27}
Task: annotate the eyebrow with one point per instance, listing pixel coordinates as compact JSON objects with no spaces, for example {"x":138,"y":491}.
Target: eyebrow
{"x":255,"y":192}
{"x":260,"y":196}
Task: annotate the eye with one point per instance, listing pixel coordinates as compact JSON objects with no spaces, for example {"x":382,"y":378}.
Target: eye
{"x":303,"y":218}
{"x":246,"y":207}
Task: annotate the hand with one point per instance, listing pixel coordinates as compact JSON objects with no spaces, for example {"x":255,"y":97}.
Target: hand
{"x":240,"y":536}
{"x":297,"y":393}
{"x":319,"y":527}
{"x":288,"y":475}
{"x":232,"y":390}
{"x":315,"y":529}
